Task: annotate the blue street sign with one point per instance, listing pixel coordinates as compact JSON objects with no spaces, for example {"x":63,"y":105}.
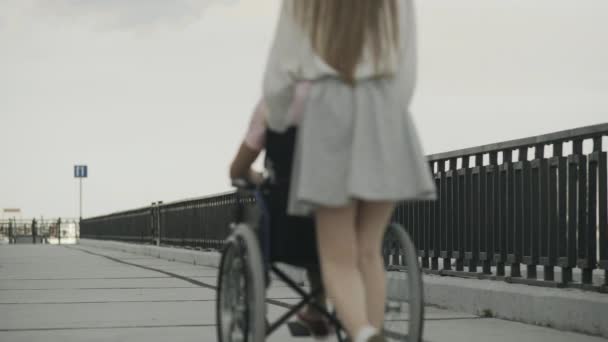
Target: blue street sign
{"x":80,"y":171}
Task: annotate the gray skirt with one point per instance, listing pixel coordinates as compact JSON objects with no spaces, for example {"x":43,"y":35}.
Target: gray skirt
{"x":356,"y":143}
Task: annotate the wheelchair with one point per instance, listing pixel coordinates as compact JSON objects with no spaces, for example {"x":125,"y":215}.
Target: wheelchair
{"x":264,"y":235}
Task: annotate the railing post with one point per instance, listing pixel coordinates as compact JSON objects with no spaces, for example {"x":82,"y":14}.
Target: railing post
{"x":152,"y":227}
{"x":441,"y":223}
{"x":553,"y":212}
{"x":10,"y":231}
{"x":484,"y":223}
{"x":446,"y":253}
{"x":543,"y":213}
{"x":437,"y":218}
{"x":460,"y":189}
{"x":502,"y":233}
{"x":159,"y":226}
{"x":588,"y":256}
{"x":520,"y":211}
{"x":427,"y":230}
{"x":603,"y":208}
{"x":493,"y":198}
{"x":475,"y":209}
{"x":582,"y":216}
{"x":568,"y":259}
{"x":34,"y":231}
{"x":513,"y":229}
{"x":563,"y":235}
{"x":59,"y":230}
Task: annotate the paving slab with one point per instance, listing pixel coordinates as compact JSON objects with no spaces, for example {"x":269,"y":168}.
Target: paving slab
{"x":105,"y":295}
{"x":101,"y":315}
{"x":92,"y":283}
{"x":81,"y":293}
{"x":113,"y":334}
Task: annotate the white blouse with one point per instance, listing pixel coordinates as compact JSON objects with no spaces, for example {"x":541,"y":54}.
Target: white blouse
{"x":293,"y":59}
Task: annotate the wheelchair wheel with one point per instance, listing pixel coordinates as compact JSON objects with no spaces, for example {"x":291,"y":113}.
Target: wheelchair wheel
{"x":404,"y":315}
{"x":240,"y":308}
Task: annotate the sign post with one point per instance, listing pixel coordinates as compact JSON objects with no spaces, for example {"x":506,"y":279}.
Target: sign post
{"x":80,"y":172}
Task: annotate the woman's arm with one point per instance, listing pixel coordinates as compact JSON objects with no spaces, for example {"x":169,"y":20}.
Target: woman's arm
{"x":281,"y":65}
{"x":408,"y":54}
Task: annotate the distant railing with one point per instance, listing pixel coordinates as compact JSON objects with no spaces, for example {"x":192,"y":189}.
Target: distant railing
{"x":197,"y":223}
{"x":538,"y":202}
{"x":21,"y":230}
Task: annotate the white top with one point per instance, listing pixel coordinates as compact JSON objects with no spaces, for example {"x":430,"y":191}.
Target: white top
{"x":293,"y":59}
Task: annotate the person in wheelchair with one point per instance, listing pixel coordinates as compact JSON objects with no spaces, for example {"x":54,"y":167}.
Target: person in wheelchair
{"x":278,"y":165}
{"x":357,"y":151}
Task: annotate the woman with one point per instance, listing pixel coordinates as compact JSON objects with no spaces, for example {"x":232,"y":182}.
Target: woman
{"x":357,"y":151}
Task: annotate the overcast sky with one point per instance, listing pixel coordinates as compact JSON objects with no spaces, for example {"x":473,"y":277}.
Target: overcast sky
{"x":155,"y":95}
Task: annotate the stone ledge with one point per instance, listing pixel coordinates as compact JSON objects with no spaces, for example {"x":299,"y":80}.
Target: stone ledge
{"x":565,"y":309}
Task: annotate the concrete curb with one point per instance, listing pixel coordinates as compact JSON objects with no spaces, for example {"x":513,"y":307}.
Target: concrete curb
{"x":211,"y":259}
{"x":564,"y":309}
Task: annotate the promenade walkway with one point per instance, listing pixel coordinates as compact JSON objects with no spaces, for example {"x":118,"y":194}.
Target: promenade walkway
{"x":82,"y":293}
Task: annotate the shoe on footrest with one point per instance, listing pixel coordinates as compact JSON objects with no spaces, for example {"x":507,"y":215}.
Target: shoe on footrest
{"x":320,"y":328}
{"x":298,"y":329}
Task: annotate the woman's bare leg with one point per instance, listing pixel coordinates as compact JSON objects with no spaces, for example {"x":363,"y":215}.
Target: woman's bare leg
{"x":372,"y":220}
{"x":337,"y":240}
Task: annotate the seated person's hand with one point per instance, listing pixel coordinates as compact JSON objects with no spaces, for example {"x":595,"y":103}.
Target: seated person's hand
{"x":241,"y":165}
{"x":255,"y":177}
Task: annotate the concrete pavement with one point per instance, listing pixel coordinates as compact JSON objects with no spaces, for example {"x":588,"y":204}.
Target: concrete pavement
{"x":84,"y":293}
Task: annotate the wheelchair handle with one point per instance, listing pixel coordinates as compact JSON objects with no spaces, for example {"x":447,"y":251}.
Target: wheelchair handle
{"x":244,"y":188}
{"x":243,"y":184}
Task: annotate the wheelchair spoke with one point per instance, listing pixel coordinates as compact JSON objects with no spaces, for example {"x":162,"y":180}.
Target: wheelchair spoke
{"x":232,"y":295}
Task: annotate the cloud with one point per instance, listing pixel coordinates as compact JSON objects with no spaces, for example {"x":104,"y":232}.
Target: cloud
{"x":130,"y":14}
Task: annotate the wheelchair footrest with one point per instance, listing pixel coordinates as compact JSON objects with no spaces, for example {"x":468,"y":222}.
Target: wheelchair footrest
{"x":297,"y":329}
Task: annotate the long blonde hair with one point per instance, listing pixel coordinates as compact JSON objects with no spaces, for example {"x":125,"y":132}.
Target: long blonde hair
{"x":340,"y":30}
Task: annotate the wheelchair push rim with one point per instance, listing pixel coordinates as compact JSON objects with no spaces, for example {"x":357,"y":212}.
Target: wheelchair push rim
{"x":240,"y":308}
{"x":404,"y":314}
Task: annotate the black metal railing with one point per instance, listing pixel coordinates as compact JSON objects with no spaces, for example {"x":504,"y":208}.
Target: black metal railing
{"x":197,"y":223}
{"x":516,"y":211}
{"x":539,"y":202}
